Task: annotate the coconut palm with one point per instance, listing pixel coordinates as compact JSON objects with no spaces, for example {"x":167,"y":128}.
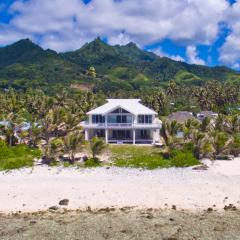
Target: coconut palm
{"x":72,"y":143}
{"x":97,"y":145}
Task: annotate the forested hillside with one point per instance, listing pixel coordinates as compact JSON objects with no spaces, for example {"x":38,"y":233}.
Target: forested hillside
{"x":25,"y":64}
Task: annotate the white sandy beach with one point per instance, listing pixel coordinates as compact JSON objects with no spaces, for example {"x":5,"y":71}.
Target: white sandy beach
{"x":39,"y":188}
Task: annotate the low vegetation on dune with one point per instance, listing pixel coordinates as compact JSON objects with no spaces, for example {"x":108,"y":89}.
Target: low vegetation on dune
{"x":17,"y":157}
{"x":151,"y":157}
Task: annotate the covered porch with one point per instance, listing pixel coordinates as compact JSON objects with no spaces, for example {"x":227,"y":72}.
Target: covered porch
{"x":123,"y":136}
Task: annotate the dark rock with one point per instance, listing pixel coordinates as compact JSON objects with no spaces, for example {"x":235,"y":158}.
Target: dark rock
{"x":149,"y":216}
{"x":171,"y":219}
{"x":33,"y":222}
{"x":174,"y":207}
{"x":64,"y":202}
{"x":201,"y":167}
{"x":54,"y":208}
{"x":230,"y":207}
{"x":209,"y":210}
{"x":89,"y":209}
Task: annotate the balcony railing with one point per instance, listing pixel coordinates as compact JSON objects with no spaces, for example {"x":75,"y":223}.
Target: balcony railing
{"x":117,"y":125}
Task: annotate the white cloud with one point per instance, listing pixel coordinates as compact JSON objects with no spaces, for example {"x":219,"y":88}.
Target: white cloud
{"x":9,"y":34}
{"x":191,"y":53}
{"x":161,"y":53}
{"x":230,"y":51}
{"x":121,"y":39}
{"x":64,"y":25}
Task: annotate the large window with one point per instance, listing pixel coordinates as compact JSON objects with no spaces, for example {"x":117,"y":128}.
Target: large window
{"x":98,"y":119}
{"x":145,"y":119}
{"x":119,"y":110}
{"x":120,"y":119}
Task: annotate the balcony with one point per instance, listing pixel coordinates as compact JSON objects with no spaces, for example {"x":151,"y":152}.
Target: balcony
{"x":108,"y":125}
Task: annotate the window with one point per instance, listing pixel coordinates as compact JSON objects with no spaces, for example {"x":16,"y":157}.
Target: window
{"x":119,"y":110}
{"x":98,"y":119}
{"x":145,"y":119}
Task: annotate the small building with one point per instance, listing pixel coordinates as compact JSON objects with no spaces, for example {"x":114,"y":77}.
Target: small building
{"x":181,"y":116}
{"x":206,"y":114}
{"x":123,"y":121}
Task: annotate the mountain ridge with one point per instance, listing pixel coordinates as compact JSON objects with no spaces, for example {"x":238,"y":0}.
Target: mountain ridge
{"x":121,"y":66}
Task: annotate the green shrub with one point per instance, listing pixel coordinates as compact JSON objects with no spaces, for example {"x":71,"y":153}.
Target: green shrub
{"x":183,"y":158}
{"x":92,"y":162}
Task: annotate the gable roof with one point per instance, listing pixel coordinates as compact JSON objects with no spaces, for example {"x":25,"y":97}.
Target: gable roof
{"x":131,"y":105}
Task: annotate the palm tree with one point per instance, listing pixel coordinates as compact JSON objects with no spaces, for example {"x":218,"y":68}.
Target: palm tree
{"x":72,"y":143}
{"x":168,"y":132}
{"x":220,"y":142}
{"x":97,"y":145}
{"x":234,"y":145}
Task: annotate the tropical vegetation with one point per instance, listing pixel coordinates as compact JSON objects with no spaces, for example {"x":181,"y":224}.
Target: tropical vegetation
{"x":45,"y":95}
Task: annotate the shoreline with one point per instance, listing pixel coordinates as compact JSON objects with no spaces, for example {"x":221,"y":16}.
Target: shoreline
{"x":121,"y":224}
{"x":37,"y":189}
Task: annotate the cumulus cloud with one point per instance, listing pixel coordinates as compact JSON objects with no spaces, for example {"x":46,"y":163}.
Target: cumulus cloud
{"x":230,"y":51}
{"x":192,"y":57}
{"x":161,"y":53}
{"x":65,"y":25}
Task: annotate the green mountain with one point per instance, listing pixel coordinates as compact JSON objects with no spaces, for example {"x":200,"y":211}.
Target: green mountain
{"x":25,"y":64}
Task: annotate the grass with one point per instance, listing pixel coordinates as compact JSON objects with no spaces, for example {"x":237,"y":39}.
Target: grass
{"x":17,"y":157}
{"x":148,"y":157}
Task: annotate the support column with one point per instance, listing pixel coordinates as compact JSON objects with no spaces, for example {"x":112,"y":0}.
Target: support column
{"x":153,"y":136}
{"x":86,"y":134}
{"x":106,"y":136}
{"x":134,"y":136}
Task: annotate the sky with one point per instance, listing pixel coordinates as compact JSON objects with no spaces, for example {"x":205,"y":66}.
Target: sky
{"x":205,"y":32}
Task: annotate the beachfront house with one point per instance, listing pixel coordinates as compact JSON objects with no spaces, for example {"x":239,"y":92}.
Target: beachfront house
{"x":123,"y":121}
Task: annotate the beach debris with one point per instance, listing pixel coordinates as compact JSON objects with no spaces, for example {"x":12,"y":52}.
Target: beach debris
{"x":54,"y":208}
{"x":64,"y":202}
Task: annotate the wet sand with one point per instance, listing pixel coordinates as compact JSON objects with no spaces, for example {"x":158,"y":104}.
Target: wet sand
{"x":125,"y":223}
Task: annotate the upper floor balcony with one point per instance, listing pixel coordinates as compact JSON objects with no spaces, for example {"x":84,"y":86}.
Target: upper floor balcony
{"x":111,"y":125}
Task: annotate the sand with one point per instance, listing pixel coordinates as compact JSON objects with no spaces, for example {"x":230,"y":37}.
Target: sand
{"x":30,"y":190}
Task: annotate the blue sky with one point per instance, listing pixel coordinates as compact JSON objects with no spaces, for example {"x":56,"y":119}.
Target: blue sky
{"x":203,"y":32}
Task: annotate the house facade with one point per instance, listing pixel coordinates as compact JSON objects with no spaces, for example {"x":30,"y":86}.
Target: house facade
{"x":123,"y":121}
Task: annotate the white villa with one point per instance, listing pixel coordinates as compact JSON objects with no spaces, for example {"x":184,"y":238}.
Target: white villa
{"x":123,"y":121}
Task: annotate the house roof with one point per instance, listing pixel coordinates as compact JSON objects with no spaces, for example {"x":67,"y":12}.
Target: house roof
{"x":207,"y":113}
{"x":131,"y":105}
{"x":180,"y":116}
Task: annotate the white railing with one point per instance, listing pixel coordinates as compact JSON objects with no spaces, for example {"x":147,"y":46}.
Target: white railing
{"x":121,"y":124}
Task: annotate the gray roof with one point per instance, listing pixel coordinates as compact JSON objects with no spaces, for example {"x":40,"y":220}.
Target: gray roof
{"x":180,"y":116}
{"x":207,"y":113}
